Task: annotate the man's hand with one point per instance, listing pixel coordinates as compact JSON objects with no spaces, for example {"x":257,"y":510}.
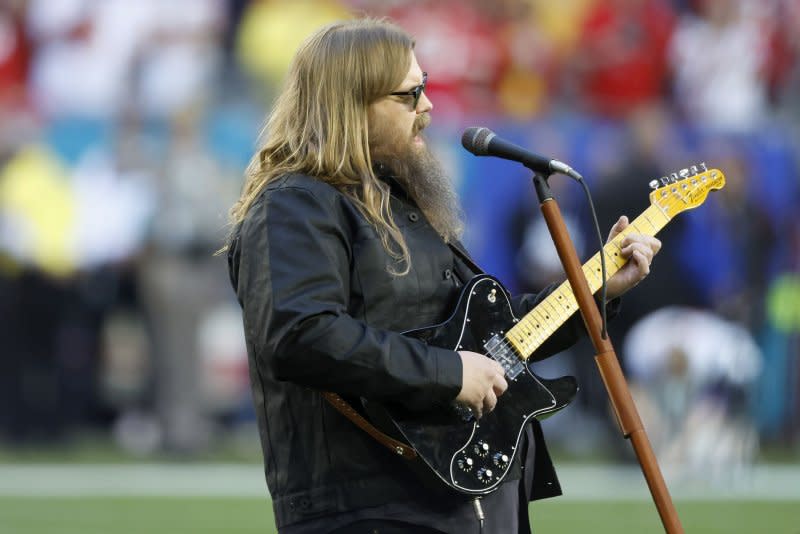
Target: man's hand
{"x":482,"y":381}
{"x":639,"y":249}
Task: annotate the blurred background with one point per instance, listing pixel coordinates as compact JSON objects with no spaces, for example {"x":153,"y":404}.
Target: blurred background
{"x":125,"y":127}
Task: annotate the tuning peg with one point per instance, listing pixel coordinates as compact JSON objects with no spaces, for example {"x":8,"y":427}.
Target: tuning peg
{"x":683,"y":173}
{"x":653,"y":184}
{"x":693,"y":170}
{"x":664,"y":180}
{"x":703,"y":167}
{"x":673,"y":177}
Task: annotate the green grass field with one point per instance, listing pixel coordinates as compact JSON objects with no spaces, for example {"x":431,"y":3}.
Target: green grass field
{"x":177,"y":515}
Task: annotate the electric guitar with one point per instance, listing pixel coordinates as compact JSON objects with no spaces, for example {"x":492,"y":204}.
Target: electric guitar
{"x":473,"y":456}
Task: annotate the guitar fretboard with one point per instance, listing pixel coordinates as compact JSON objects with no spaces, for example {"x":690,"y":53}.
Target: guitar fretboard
{"x":540,"y":323}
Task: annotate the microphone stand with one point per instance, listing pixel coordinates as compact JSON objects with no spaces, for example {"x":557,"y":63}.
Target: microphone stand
{"x":606,"y":359}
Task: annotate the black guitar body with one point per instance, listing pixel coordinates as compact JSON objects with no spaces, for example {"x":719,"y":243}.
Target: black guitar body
{"x":474,"y":456}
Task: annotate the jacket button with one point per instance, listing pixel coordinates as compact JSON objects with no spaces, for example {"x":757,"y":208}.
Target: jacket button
{"x":413,"y":217}
{"x":448,"y":274}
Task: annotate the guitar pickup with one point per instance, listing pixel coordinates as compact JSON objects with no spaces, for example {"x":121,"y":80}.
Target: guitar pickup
{"x":499,"y":350}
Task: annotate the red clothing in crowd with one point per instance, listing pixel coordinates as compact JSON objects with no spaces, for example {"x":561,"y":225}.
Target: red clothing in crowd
{"x":623,"y":54}
{"x":15,"y":54}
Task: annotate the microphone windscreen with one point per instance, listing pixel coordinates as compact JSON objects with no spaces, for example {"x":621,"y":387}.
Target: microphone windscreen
{"x":476,"y":140}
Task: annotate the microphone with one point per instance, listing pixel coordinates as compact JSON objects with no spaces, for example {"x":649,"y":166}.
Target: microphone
{"x":484,"y":142}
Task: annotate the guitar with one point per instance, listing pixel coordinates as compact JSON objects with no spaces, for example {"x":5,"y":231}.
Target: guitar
{"x":474,"y":456}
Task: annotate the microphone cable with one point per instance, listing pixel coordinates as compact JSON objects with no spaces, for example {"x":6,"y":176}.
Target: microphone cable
{"x":603,"y":291}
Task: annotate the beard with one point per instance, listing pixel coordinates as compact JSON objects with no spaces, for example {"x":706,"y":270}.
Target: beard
{"x":420,"y":173}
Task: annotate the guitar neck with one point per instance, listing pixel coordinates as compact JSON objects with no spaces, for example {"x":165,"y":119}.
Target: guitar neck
{"x":552,"y":312}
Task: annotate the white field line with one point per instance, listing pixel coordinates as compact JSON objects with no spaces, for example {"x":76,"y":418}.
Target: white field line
{"x":580,"y":483}
{"x":109,"y":480}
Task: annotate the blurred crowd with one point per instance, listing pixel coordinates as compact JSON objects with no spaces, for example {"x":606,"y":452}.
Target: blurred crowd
{"x":125,"y":127}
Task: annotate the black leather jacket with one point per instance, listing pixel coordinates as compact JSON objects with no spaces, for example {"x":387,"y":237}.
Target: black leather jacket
{"x":321,"y":312}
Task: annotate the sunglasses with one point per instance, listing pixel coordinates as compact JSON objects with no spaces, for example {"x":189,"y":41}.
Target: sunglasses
{"x":416,"y":92}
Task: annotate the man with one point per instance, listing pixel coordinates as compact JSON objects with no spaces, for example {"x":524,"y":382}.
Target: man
{"x":342,"y":240}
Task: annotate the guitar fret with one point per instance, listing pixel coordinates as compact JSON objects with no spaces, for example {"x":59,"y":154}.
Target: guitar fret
{"x":523,"y":325}
{"x":652,"y":226}
{"x":520,"y":335}
{"x":527,"y":326}
{"x":526,"y":329}
{"x":550,"y":326}
{"x":594,"y":270}
{"x":655,"y":210}
{"x":541,"y":323}
{"x":534,"y":338}
{"x":616,"y":261}
{"x":558,"y":304}
{"x":556,"y":310}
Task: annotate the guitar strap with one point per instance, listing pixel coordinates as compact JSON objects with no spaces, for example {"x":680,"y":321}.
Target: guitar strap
{"x":397,"y":447}
{"x":461,"y":252}
{"x":343,"y":407}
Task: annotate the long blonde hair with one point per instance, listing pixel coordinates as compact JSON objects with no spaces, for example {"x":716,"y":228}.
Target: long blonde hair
{"x":318,"y":125}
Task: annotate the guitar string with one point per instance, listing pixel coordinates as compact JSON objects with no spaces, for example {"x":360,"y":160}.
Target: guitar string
{"x":561,"y":315}
{"x":560,"y":311}
{"x":668,"y":202}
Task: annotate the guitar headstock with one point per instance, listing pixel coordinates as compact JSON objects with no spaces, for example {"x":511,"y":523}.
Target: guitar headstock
{"x":685,"y":189}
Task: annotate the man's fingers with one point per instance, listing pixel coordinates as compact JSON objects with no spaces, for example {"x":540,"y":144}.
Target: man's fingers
{"x":619,"y":226}
{"x":655,"y":245}
{"x":629,"y":250}
{"x":648,"y":241}
{"x":499,"y":385}
{"x":489,"y":401}
{"x":640,"y":250}
{"x":642,"y":262}
{"x":483,"y":380}
{"x":646,"y":251}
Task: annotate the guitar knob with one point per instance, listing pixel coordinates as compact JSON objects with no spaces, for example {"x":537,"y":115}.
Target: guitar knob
{"x":500,"y":459}
{"x":481,"y":448}
{"x":465,"y":464}
{"x":485,"y":475}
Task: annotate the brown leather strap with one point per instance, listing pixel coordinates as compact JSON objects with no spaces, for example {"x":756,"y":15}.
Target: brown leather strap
{"x":398,"y":447}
